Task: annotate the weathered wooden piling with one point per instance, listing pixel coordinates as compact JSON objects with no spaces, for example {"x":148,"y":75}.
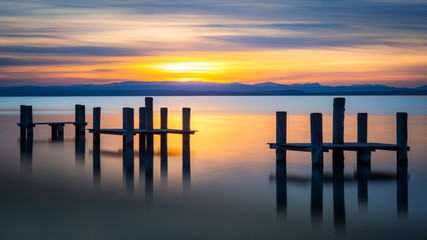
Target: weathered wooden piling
{"x":163,"y":146}
{"x":149,"y":113}
{"x":281,"y":121}
{"x":316,"y":139}
{"x":128,"y":126}
{"x":363,"y":155}
{"x":96,"y":147}
{"x":80,"y":119}
{"x":338,"y":129}
{"x":402,"y":137}
{"x":402,"y":189}
{"x":186,"y":173}
{"x":29,"y":119}
{"x":22,"y":120}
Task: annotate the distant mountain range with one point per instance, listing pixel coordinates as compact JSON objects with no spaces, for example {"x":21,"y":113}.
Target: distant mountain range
{"x":171,"y":88}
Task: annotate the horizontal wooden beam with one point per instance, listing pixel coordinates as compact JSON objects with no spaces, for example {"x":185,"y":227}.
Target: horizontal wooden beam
{"x":306,"y":147}
{"x":141,"y":131}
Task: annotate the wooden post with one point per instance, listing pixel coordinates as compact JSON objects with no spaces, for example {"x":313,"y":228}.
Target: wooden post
{"x":22,"y":120}
{"x":128,"y":125}
{"x":96,"y":123}
{"x":29,"y":119}
{"x":80,"y":119}
{"x":96,"y":147}
{"x":402,"y":137}
{"x":163,"y":146}
{"x":363,"y":155}
{"x":186,"y":115}
{"x":316,"y":139}
{"x":338,"y":130}
{"x":281,"y":135}
{"x":186,"y":168}
{"x":149,"y":113}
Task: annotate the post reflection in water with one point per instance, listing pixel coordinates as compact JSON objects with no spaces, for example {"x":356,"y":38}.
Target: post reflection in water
{"x":128,"y":167}
{"x":80,"y":148}
{"x":186,"y":169}
{"x":96,"y":161}
{"x":402,"y":190}
{"x":338,"y":192}
{"x":316,"y":194}
{"x":363,"y":176}
{"x":281,"y":183}
{"x":148,"y":160}
{"x":26,"y":153}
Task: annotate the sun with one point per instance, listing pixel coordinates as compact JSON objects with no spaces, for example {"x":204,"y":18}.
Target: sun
{"x":190,"y":67}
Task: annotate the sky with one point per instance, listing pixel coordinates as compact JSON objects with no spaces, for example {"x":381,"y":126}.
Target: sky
{"x":331,"y":42}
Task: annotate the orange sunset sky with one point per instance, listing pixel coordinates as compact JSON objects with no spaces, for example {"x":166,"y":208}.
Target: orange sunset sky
{"x":57,"y":42}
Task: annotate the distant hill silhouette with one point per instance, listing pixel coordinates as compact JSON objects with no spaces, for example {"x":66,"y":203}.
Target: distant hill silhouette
{"x":172,"y":88}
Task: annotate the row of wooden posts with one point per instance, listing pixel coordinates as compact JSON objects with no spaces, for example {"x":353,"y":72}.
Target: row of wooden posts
{"x":362,"y":146}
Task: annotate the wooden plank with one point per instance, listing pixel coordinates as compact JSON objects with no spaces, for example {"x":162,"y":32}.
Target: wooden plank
{"x":304,"y":147}
{"x":161,"y":131}
{"x":58,"y":123}
{"x":108,"y":131}
{"x":328,"y":146}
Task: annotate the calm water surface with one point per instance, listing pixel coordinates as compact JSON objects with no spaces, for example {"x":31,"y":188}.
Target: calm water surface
{"x":229,"y":187}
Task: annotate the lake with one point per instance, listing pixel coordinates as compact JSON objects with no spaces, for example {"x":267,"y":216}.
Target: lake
{"x":229,"y":185}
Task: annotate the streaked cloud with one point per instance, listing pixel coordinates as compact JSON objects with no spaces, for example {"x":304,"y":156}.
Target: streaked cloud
{"x":83,"y":37}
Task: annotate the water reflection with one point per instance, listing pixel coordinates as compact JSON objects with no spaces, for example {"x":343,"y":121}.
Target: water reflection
{"x":26,"y":153}
{"x":338,"y":179}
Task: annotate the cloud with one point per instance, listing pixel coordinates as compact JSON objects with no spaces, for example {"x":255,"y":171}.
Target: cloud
{"x":77,"y":50}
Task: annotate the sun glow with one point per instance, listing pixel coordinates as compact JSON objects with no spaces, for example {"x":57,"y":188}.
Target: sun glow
{"x":190,"y":67}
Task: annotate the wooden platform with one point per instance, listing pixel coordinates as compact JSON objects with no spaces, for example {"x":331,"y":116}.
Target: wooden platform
{"x":141,"y":131}
{"x":351,"y":146}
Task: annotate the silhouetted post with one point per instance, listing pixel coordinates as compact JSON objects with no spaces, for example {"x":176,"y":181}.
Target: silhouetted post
{"x":80,"y":119}
{"x":22,"y":121}
{"x":316,"y":193}
{"x":338,"y":129}
{"x":281,"y":189}
{"x":186,"y":169}
{"x":29,"y":120}
{"x":128,"y":151}
{"x":363,"y":155}
{"x":142,"y":151}
{"x":316,"y":139}
{"x":164,"y":146}
{"x":402,"y":190}
{"x":80,"y":132}
{"x":281,"y":135}
{"x":96,"y":147}
{"x":402,"y":137}
{"x":128,"y":125}
{"x":150,"y":149}
{"x":338,"y":192}
{"x":149,"y":113}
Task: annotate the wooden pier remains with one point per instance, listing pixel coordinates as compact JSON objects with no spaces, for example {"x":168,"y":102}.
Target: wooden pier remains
{"x":146,"y":133}
{"x":26,"y":123}
{"x":364,"y":148}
